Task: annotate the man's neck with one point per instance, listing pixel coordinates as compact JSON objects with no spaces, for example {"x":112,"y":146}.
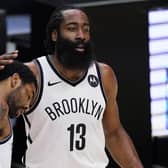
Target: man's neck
{"x":4,"y":121}
{"x":3,"y":110}
{"x":4,"y":89}
{"x":5,"y":128}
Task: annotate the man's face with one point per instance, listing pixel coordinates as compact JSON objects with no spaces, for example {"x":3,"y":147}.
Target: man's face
{"x":20,"y":99}
{"x":73,"y":44}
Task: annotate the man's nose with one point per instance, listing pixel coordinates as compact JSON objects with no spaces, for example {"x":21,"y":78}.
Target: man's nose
{"x":80,"y":34}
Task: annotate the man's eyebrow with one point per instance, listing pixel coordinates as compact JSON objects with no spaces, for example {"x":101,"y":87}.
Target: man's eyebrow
{"x":74,"y":23}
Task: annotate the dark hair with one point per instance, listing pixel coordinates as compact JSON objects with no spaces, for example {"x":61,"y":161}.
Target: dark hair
{"x":54,"y":22}
{"x":26,"y":75}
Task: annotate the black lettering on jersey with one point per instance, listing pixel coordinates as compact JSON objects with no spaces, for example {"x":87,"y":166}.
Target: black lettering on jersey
{"x":93,"y":80}
{"x":94,"y":104}
{"x":57,"y":108}
{"x":81,"y":105}
{"x":98,"y":113}
{"x":87,"y":106}
{"x":50,"y":113}
{"x":66,"y":106}
{"x":74,"y":106}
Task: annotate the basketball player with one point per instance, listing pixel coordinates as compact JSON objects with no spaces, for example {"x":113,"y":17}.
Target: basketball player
{"x":75,"y":114}
{"x":17,"y":88}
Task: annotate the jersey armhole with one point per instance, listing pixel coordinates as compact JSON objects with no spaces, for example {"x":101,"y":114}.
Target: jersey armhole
{"x":6,"y":139}
{"x":101,"y":83}
{"x":40,"y":87}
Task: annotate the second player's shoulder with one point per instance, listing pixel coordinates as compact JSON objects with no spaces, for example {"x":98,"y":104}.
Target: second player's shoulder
{"x":33,"y":66}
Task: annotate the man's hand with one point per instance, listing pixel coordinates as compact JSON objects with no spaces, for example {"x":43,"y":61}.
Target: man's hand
{"x":7,"y":58}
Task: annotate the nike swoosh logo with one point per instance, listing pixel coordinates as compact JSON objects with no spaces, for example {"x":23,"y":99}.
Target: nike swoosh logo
{"x":53,"y":83}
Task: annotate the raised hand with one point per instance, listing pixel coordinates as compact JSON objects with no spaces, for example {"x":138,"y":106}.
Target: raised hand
{"x":7,"y":58}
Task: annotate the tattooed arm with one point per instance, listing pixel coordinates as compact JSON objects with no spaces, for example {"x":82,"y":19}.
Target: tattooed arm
{"x":4,"y":120}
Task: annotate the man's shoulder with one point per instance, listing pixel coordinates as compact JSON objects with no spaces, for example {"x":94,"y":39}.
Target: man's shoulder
{"x":105,"y":68}
{"x":33,"y":66}
{"x":108,"y":76}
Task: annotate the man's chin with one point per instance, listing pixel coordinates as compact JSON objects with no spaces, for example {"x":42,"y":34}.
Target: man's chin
{"x":16,"y":114}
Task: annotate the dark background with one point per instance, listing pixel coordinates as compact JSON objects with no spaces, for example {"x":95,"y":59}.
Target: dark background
{"x":120,"y":35}
{"x":3,"y":36}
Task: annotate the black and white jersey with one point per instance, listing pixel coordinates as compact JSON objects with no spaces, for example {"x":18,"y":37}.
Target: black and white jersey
{"x":6,"y":151}
{"x":64,"y":128}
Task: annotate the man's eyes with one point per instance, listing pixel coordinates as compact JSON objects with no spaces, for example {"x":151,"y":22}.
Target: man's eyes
{"x":84,"y":29}
{"x":72,"y":28}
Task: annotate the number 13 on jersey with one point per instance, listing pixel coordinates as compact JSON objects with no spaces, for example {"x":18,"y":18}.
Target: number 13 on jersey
{"x":77,"y":134}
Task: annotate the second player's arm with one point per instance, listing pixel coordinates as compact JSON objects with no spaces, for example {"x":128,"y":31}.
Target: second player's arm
{"x":4,"y":120}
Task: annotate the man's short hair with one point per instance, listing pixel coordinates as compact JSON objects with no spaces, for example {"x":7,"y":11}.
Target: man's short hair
{"x":26,"y":75}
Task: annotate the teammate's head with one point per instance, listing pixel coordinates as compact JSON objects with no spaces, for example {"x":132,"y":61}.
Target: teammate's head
{"x":20,"y":87}
{"x":68,"y":35}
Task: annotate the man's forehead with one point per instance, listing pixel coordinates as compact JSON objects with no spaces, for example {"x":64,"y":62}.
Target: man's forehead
{"x":71,"y":14}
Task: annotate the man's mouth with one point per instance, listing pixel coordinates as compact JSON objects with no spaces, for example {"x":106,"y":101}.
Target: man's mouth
{"x":80,"y":48}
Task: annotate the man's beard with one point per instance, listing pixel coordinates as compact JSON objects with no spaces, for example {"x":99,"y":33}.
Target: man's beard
{"x":12,"y":107}
{"x":14,"y":103}
{"x":72,"y":59}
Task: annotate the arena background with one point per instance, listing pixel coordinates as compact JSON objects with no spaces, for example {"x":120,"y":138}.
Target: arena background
{"x":120,"y":34}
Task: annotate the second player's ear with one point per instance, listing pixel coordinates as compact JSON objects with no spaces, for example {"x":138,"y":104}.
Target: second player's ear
{"x":54,"y":35}
{"x":15,"y":80}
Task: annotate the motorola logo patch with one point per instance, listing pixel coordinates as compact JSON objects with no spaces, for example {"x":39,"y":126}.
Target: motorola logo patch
{"x":93,"y":80}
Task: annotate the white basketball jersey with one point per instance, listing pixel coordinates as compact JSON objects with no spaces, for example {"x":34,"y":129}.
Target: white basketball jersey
{"x":65,"y":127}
{"x":6,"y":152}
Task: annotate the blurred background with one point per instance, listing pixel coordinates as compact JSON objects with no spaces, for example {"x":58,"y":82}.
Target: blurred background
{"x":129,"y":35}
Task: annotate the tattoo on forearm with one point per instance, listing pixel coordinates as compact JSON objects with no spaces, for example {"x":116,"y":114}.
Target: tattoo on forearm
{"x":2,"y":112}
